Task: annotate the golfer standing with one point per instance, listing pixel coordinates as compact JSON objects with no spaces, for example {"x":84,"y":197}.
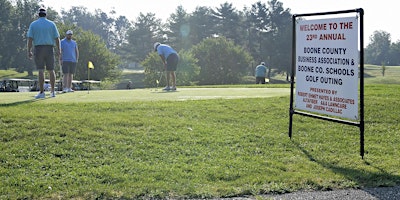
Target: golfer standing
{"x":69,"y":59}
{"x":170,"y":59}
{"x":43,"y":35}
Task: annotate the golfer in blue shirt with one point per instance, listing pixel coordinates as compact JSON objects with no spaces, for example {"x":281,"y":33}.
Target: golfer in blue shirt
{"x":43,"y":35}
{"x":69,"y":59}
{"x":170,"y":59}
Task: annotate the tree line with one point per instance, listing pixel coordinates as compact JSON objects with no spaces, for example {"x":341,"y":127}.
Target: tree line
{"x":261,"y":32}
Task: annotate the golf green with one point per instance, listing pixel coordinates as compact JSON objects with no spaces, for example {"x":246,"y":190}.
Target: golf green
{"x":146,"y":95}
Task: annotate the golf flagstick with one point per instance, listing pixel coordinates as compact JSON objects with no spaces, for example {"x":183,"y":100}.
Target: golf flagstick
{"x":90,"y":66}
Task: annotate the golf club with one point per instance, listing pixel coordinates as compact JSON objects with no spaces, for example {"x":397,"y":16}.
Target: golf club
{"x":158,"y":80}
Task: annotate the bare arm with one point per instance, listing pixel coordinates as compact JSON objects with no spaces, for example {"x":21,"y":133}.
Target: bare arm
{"x":57,"y":40}
{"x":29,"y":46}
{"x":77,"y":53}
{"x":163,"y":60}
{"x":58,"y":50}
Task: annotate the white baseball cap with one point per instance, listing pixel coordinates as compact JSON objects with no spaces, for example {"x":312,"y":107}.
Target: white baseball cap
{"x":69,"y":32}
{"x":156,"y":45}
{"x":42,"y":10}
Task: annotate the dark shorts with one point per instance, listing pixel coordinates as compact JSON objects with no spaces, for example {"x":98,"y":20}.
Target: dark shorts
{"x":44,"y":57}
{"x":68,"y":67}
{"x":172,"y":62}
{"x":260,"y":80}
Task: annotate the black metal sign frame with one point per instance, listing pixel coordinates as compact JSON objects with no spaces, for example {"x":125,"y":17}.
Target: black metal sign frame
{"x":292,"y":111}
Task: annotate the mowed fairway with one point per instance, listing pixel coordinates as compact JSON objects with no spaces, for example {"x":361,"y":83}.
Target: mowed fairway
{"x":148,"y":95}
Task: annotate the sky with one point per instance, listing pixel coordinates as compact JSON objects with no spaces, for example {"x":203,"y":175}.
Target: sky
{"x":379,"y":15}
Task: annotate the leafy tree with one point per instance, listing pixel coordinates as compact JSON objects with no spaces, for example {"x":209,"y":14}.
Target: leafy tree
{"x":111,"y":28}
{"x":92,"y":48}
{"x":270,"y":34}
{"x":377,"y":51}
{"x":6,"y":28}
{"x":25,"y":12}
{"x":228,"y":22}
{"x":280,"y":39}
{"x":122,"y":26}
{"x":394,"y":52}
{"x":178,"y":29}
{"x":145,"y":32}
{"x":201,"y":25}
{"x":221,"y":61}
{"x":153,"y":70}
{"x":188,"y":71}
{"x":258,"y":26}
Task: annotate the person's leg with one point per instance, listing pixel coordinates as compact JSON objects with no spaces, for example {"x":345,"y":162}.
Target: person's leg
{"x":172,"y":63}
{"x":41,"y":80}
{"x":40,"y":56}
{"x":52,"y":75}
{"x":71,"y":72}
{"x":168,"y":77}
{"x":173,"y":79}
{"x":64,"y":69}
{"x":70,"y":78}
{"x":65,"y":81}
{"x":49,"y":61}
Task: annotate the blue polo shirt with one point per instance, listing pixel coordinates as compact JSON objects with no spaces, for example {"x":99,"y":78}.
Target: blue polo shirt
{"x":165,"y":50}
{"x":68,"y":50}
{"x":43,"y":32}
{"x":261,"y":71}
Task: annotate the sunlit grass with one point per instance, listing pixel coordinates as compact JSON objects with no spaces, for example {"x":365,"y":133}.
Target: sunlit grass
{"x":117,"y":145}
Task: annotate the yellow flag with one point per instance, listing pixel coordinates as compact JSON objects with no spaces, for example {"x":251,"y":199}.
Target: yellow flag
{"x":90,"y":65}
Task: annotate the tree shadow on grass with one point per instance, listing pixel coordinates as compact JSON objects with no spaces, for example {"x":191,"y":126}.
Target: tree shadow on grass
{"x":365,"y":179}
{"x":16,"y":103}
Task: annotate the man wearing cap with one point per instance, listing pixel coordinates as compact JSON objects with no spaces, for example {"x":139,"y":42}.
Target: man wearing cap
{"x":170,"y":59}
{"x":261,"y":73}
{"x":43,"y":36}
{"x":69,"y":59}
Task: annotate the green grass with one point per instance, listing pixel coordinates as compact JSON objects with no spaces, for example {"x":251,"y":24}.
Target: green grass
{"x":193,"y":143}
{"x":153,"y":94}
{"x":4,"y":74}
{"x":135,"y":76}
{"x":373,"y":74}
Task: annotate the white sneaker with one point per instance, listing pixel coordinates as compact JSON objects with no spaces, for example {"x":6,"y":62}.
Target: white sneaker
{"x":41,"y":95}
{"x":52,"y":94}
{"x":65,"y":90}
{"x":167,"y":88}
{"x":173,"y":88}
{"x":70,"y":90}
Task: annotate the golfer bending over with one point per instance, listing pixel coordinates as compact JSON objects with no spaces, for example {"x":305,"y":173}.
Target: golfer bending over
{"x":170,"y":60}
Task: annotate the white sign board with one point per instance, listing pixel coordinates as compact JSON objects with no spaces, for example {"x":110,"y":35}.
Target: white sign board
{"x":327,"y":66}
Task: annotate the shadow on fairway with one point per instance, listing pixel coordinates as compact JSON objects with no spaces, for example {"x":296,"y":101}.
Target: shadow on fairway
{"x":362,"y":177}
{"x":19,"y":102}
{"x":165,"y":91}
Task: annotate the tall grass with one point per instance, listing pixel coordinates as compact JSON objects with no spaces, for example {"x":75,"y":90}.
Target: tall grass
{"x":106,"y":149}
